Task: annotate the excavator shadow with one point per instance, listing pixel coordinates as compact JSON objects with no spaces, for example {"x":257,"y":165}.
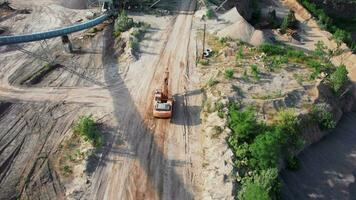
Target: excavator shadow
{"x":185,"y":114}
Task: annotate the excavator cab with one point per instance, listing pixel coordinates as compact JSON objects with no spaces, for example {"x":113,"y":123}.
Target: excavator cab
{"x":163,"y":102}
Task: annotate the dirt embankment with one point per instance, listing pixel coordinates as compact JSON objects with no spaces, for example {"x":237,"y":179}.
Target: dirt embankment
{"x":311,"y":34}
{"x":311,"y":132}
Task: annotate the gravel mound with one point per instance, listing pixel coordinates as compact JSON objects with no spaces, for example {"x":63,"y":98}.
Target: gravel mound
{"x":241,"y":29}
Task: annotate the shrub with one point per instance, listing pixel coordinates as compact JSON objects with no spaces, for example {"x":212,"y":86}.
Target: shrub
{"x":67,"y":170}
{"x":134,"y":44}
{"x":271,"y":49}
{"x":240,"y":54}
{"x":223,"y":40}
{"x":123,"y":23}
{"x":288,"y":118}
{"x":321,"y":115}
{"x":85,"y":127}
{"x":253,"y":191}
{"x":229,"y":73}
{"x":316,"y":66}
{"x":261,"y":186}
{"x":340,"y":36}
{"x":204,"y":62}
{"x":265,"y":151}
{"x":210,"y":13}
{"x":321,"y":49}
{"x":339,"y":78}
{"x":287,"y":126}
{"x":243,"y":124}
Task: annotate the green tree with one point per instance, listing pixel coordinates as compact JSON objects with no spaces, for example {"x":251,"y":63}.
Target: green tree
{"x":243,"y":124}
{"x":265,"y":151}
{"x":254,"y":191}
{"x":261,"y":186}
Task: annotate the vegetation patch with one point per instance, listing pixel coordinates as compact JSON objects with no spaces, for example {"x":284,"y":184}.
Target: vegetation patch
{"x":325,"y":22}
{"x":322,"y":115}
{"x":87,"y":129}
{"x":339,"y":78}
{"x":258,"y":149}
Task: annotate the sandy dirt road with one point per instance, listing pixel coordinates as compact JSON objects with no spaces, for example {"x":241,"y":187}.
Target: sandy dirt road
{"x":150,"y":158}
{"x":145,"y":158}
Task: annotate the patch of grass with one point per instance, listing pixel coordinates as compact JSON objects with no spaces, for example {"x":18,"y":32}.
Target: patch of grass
{"x":220,"y":108}
{"x":86,"y":128}
{"x":275,"y":62}
{"x":223,"y":40}
{"x":273,"y":95}
{"x":67,"y":170}
{"x":239,"y":54}
{"x":204,"y":62}
{"x":255,"y":72}
{"x":299,"y":78}
{"x":229,"y":73}
{"x":339,"y":78}
{"x":271,"y":49}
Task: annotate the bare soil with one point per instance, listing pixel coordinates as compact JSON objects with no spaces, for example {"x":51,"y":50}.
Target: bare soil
{"x":143,"y":157}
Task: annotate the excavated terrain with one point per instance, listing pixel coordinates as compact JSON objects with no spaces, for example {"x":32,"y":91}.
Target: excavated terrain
{"x":142,"y":157}
{"x":30,"y":134}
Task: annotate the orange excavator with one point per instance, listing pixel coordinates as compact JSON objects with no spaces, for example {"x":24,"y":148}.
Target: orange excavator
{"x":163,"y":101}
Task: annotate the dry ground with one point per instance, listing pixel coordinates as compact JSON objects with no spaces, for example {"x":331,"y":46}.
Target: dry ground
{"x":143,"y":158}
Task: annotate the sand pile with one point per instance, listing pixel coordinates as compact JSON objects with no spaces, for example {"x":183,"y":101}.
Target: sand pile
{"x":241,"y":29}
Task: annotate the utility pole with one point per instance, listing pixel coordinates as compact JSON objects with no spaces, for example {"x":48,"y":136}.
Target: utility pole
{"x":204,"y":40}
